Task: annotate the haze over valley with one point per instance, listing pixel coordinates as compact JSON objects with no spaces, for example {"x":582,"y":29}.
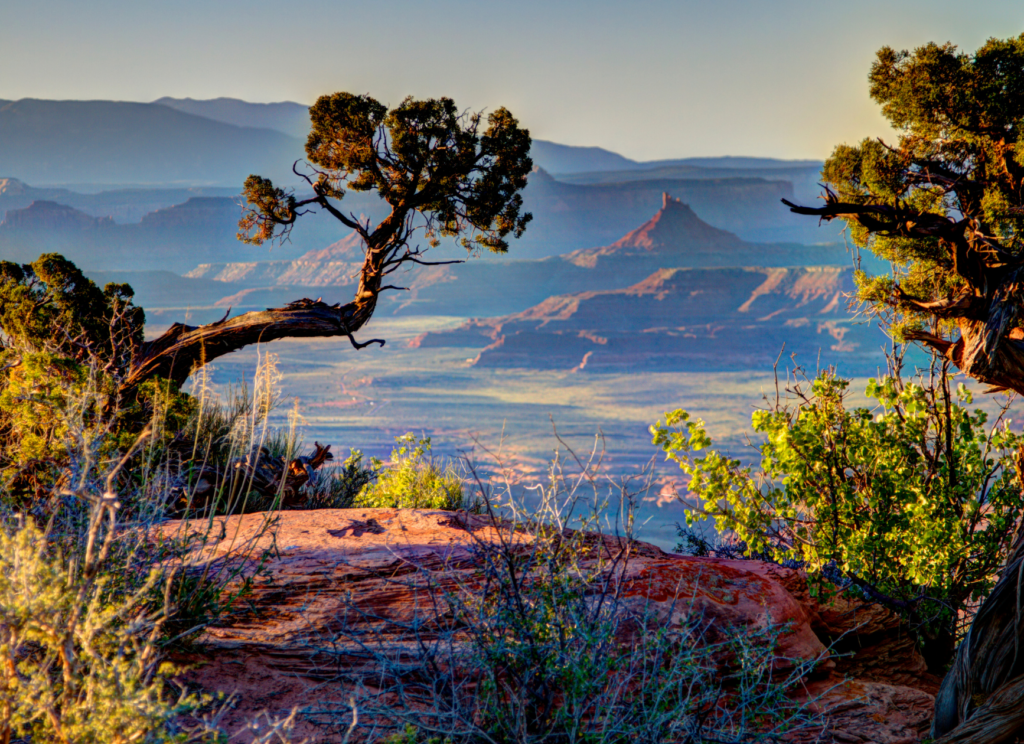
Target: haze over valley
{"x":638,"y":287}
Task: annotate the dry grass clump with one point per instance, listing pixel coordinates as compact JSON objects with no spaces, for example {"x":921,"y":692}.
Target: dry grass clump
{"x":89,"y":601}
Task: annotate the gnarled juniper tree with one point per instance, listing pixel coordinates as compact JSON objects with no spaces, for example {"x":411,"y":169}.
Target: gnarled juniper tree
{"x":945,"y":205}
{"x":442,"y":171}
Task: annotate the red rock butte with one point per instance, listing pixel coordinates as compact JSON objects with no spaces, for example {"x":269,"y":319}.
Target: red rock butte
{"x":675,"y":227}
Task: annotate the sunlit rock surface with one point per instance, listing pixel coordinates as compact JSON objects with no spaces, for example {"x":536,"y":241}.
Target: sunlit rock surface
{"x":333,"y":567}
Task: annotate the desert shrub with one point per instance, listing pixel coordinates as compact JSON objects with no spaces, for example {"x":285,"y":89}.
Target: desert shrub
{"x":50,"y":306}
{"x":80,"y":651}
{"x":914,"y":502}
{"x":539,"y":643}
{"x":77,"y":663}
{"x":338,"y":486}
{"x":88,"y":605}
{"x":413,"y":479}
{"x":65,"y":342}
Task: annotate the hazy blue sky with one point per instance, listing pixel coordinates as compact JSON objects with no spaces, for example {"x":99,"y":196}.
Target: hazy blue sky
{"x":649,"y":78}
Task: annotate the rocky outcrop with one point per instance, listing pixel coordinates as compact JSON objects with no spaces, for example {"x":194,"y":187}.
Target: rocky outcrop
{"x":332,"y":568}
{"x":280,"y":274}
{"x":671,"y":234}
{"x":337,"y":265}
{"x":679,"y":319}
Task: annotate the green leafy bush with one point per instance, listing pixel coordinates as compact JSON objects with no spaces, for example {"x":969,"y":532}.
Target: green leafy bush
{"x":914,"y":502}
{"x":65,"y":347}
{"x":413,"y":480}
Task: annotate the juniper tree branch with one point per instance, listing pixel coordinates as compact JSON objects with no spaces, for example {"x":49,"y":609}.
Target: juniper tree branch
{"x":183,"y":348}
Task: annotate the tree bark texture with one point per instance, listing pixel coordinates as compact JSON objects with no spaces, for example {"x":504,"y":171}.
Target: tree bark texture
{"x":981,"y":700}
{"x":182,"y":349}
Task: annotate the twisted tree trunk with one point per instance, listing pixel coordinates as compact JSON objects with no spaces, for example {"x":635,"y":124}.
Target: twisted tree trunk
{"x":987,"y":312}
{"x":183,"y":349}
{"x":981,"y":700}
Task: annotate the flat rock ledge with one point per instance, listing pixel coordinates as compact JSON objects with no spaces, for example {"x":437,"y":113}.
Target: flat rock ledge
{"x":329,"y":562}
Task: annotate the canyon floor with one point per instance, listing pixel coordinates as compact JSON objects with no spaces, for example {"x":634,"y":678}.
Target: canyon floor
{"x":363,"y":399}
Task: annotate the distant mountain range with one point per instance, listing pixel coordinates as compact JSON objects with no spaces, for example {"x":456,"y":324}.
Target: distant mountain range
{"x":287,"y":117}
{"x":171,"y":239}
{"x":219,"y":142}
{"x":68,"y":142}
{"x":173,"y":170}
{"x":567,"y":217}
{"x":293,"y":119}
{"x":121,"y":205}
{"x":673,"y":294}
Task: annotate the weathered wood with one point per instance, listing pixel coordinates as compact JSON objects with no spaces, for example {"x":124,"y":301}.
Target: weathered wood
{"x":182,"y":349}
{"x":258,"y":472}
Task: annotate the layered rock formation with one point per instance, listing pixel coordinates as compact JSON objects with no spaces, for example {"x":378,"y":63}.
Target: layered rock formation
{"x":336,"y":265}
{"x":680,"y":319}
{"x":674,"y":237}
{"x":341,"y":579}
{"x":575,"y":216}
{"x":167,"y":239}
{"x":675,"y":231}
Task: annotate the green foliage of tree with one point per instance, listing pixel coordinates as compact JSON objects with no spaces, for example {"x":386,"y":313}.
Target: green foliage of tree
{"x":65,"y":347}
{"x":50,"y":304}
{"x":423,"y":157}
{"x":413,"y":480}
{"x":915,"y":502}
{"x":944,"y":204}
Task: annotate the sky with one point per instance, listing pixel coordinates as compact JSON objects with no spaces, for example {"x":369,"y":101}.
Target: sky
{"x":650,"y":79}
